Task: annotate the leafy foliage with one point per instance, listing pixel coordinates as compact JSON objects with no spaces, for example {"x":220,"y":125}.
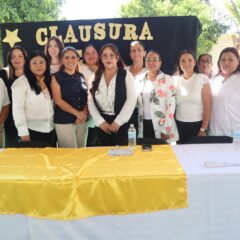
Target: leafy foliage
{"x":211,"y":28}
{"x":234,"y":8}
{"x":13,"y":11}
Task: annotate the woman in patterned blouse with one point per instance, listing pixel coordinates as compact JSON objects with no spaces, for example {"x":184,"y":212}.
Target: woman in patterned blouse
{"x":158,"y":101}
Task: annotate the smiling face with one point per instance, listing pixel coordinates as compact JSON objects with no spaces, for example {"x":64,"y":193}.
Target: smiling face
{"x":53,"y":49}
{"x":228,"y":63}
{"x":153,"y":62}
{"x":205,"y":65}
{"x":38,"y":66}
{"x":109,"y":58}
{"x":70,"y":61}
{"x":17,"y":59}
{"x":187,"y":63}
{"x":91,"y":56}
{"x":137,"y":52}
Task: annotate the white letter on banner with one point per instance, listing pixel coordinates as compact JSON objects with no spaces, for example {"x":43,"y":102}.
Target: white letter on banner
{"x":53,"y":32}
{"x":99,"y":29}
{"x":130,"y":32}
{"x":87,"y":33}
{"x":41,"y":36}
{"x":146,"y":34}
{"x":117,"y":27}
{"x":70,"y":36}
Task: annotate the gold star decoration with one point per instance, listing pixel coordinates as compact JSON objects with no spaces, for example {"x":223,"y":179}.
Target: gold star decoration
{"x":12,"y":37}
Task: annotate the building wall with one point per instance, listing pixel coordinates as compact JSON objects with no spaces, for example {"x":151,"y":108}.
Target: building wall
{"x":226,"y":40}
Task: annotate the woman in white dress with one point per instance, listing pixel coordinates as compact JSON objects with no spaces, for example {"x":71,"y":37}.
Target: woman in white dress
{"x":225,"y":116}
{"x":193,"y":96}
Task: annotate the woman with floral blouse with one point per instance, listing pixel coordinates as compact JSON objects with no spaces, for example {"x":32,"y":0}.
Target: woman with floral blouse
{"x":158,"y":102}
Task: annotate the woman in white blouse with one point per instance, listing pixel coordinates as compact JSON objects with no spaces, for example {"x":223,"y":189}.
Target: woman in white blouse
{"x":53,"y":51}
{"x":112,"y":98}
{"x":137,"y":54}
{"x":225,"y":116}
{"x":138,"y":70}
{"x":193,"y":96}
{"x":205,"y":64}
{"x":90,"y":63}
{"x":88,"y":69}
{"x":32,"y":103}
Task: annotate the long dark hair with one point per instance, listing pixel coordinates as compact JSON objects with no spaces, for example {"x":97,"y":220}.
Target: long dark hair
{"x":59,"y":44}
{"x":188,"y":51}
{"x":101,"y":68}
{"x":33,"y":82}
{"x":232,"y":50}
{"x":12,"y":76}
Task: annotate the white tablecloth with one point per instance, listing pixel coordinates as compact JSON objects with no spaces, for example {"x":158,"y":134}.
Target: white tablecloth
{"x":213,"y":212}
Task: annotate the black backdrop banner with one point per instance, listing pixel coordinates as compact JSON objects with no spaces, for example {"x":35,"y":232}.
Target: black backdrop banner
{"x":168,"y":35}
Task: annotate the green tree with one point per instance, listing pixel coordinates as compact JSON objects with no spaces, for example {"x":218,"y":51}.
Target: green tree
{"x":211,"y":28}
{"x":234,"y":8}
{"x":13,"y":11}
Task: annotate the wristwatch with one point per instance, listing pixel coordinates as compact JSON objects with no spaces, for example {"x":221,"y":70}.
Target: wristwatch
{"x":203,"y":130}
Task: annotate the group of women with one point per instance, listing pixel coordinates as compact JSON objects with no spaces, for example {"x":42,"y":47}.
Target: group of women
{"x":51,"y":97}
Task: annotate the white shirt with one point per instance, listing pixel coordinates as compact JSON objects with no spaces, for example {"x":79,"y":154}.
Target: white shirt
{"x":88,"y":73}
{"x":138,"y":78}
{"x":146,"y":93}
{"x":54,"y":68}
{"x":189,"y":104}
{"x":4,"y":99}
{"x":225,"y":115}
{"x":105,"y":97}
{"x":31,"y":110}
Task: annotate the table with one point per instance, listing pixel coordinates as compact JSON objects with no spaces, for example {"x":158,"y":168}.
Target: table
{"x":213,"y":212}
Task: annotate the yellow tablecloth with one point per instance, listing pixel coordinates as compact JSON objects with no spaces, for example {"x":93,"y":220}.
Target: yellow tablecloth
{"x":78,"y":183}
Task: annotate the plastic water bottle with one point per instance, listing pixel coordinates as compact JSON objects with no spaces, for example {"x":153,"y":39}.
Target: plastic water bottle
{"x":131,"y":137}
{"x":236,"y":137}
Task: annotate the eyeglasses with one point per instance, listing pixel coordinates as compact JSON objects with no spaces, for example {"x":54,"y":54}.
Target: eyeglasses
{"x":154,"y":60}
{"x":204,"y":62}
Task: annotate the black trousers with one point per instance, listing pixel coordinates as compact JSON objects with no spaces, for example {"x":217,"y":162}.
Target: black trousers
{"x":92,"y":137}
{"x":187,"y":130}
{"x":49,"y":138}
{"x":120,"y":138}
{"x":11,"y":134}
{"x":148,"y":130}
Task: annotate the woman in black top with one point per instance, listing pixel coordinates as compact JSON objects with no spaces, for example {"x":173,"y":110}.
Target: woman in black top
{"x":70,"y":96}
{"x":16,"y":61}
